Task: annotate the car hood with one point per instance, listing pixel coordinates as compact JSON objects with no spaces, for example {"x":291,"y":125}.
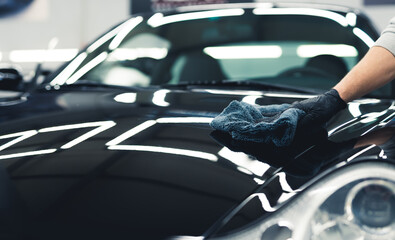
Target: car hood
{"x":146,"y":164}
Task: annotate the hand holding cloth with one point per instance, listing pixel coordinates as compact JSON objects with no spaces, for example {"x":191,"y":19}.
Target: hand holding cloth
{"x":277,"y":124}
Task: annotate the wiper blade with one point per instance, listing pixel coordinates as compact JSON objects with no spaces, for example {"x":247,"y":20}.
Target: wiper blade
{"x":275,"y":86}
{"x":94,"y":84}
{"x":257,"y":85}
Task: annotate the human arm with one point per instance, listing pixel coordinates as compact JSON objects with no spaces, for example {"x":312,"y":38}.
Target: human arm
{"x":376,"y":68}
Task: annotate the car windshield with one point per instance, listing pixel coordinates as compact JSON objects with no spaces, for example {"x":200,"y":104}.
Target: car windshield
{"x":297,"y":47}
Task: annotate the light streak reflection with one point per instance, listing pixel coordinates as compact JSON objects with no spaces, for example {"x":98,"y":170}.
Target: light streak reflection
{"x":244,"y":52}
{"x":360,"y":152}
{"x":284,"y":183}
{"x":242,"y":160}
{"x":159,"y":98}
{"x":303,"y":11}
{"x":339,"y":50}
{"x":126,"y":98}
{"x":126,"y":28}
{"x":159,"y":19}
{"x":20,"y":137}
{"x":145,"y":125}
{"x":104,"y":39}
{"x":42,"y":55}
{"x":185,"y":120}
{"x":175,"y":151}
{"x":27,"y":154}
{"x":113,"y":144}
{"x":363,"y":36}
{"x":101,"y":126}
{"x":351,"y":19}
{"x":68,"y":71}
{"x":250,"y":99}
{"x":265,"y":203}
{"x":87,"y":67}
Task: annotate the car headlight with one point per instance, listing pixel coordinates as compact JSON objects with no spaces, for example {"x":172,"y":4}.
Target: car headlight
{"x":356,"y":202}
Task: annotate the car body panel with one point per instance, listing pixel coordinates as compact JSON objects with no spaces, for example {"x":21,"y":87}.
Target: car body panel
{"x":160,"y":165}
{"x":82,"y":160}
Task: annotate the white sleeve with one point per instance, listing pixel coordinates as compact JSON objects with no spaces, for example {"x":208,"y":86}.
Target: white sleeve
{"x":387,"y":38}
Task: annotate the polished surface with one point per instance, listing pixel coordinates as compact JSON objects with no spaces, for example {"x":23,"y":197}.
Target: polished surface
{"x":112,"y":147}
{"x":108,"y":162}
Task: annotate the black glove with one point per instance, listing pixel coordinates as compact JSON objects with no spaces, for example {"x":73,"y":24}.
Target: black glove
{"x":319,"y":109}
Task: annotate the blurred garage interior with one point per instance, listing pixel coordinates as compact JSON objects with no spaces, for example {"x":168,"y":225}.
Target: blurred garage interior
{"x":50,"y":32}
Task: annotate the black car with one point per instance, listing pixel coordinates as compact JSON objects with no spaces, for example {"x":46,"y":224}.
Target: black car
{"x":116,"y":144}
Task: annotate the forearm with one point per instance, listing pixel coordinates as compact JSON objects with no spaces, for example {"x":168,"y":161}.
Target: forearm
{"x":375,"y":70}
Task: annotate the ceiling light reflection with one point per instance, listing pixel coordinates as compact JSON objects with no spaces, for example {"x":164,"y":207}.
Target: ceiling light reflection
{"x":159,"y":19}
{"x":259,"y":181}
{"x":339,"y":50}
{"x":250,"y":99}
{"x":243,"y":170}
{"x":145,"y":125}
{"x":388,"y":120}
{"x":303,"y":11}
{"x":149,"y":123}
{"x":229,"y":92}
{"x":122,"y":54}
{"x":363,"y":36}
{"x":185,"y":120}
{"x":285,"y":197}
{"x":353,"y":108}
{"x":360,"y":152}
{"x":265,"y":203}
{"x":27,"y":154}
{"x":40,"y":55}
{"x":77,"y":126}
{"x":126,"y":98}
{"x":286,"y":95}
{"x":351,"y":19}
{"x":244,"y":52}
{"x":176,"y":151}
{"x":20,"y":136}
{"x":241,"y":159}
{"x":104,"y":39}
{"x":159,"y":98}
{"x":284,"y":183}
{"x":101,"y":126}
{"x":68,"y":71}
{"x":126,"y":28}
{"x":352,"y":121}
{"x":373,"y":116}
{"x":87,"y":67}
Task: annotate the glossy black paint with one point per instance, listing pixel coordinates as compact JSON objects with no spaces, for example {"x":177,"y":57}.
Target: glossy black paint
{"x":95,"y":190}
{"x":97,"y":162}
{"x":89,"y":189}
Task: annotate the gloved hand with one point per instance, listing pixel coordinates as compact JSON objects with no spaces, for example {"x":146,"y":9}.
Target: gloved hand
{"x":319,"y":109}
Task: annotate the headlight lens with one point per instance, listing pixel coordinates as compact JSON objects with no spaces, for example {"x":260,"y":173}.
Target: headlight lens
{"x":373,"y":204}
{"x":356,"y":202}
{"x":362,"y":209}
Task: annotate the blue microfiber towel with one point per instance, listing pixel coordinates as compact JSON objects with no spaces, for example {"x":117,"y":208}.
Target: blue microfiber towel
{"x":264,"y":124}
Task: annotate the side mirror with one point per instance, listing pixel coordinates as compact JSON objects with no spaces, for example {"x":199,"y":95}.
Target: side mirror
{"x":10,"y":79}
